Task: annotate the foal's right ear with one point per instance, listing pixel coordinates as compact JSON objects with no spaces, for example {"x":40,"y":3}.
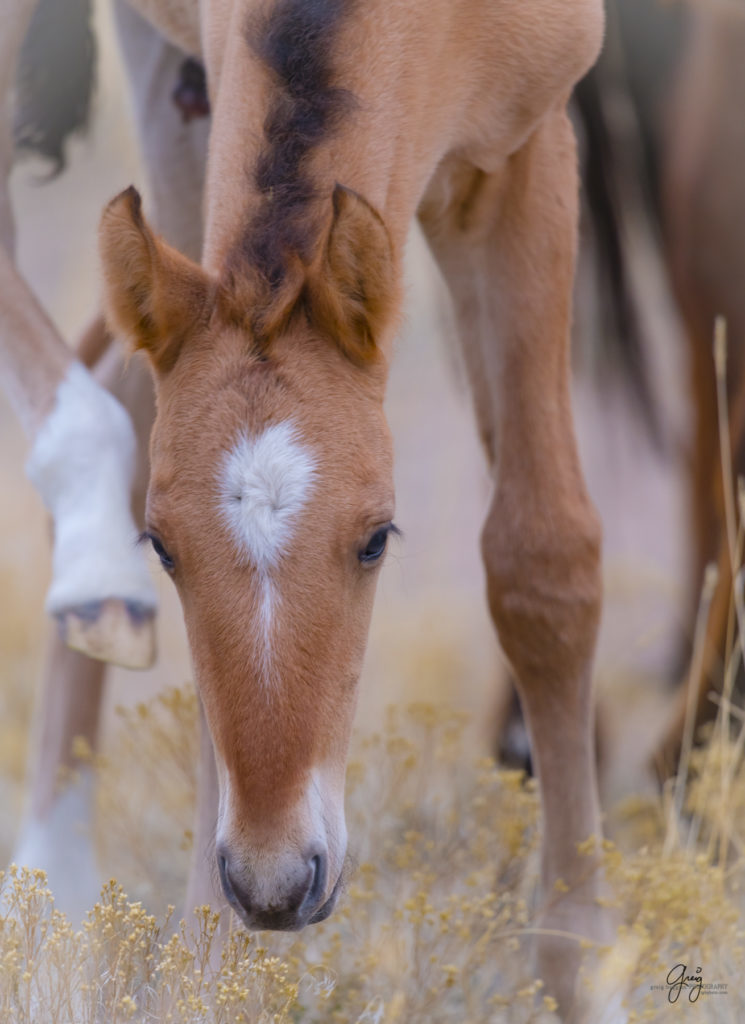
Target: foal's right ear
{"x":153,"y":295}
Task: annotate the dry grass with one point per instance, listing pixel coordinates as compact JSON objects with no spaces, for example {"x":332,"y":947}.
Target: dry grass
{"x":434,"y":926}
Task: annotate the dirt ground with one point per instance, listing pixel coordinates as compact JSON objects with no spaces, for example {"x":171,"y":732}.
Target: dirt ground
{"x":431,"y":637}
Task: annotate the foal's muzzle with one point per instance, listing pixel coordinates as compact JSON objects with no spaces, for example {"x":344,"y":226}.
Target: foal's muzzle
{"x":301,"y":904}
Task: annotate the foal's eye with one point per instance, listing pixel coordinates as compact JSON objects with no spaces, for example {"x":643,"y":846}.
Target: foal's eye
{"x":165,"y":559}
{"x":375,"y":547}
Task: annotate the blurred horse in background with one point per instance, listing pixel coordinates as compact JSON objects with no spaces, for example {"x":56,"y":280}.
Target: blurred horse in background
{"x":665,"y":142}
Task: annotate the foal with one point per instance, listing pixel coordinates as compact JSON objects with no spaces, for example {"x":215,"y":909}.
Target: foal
{"x":270,"y":499}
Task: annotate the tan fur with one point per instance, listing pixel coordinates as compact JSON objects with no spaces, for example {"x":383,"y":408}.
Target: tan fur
{"x":165,"y":295}
{"x":475,"y":129}
{"x":507,"y":252}
{"x":353,"y":292}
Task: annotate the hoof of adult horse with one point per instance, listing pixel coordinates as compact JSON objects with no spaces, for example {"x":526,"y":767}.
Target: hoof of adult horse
{"x":82,"y":463}
{"x":121,"y":632}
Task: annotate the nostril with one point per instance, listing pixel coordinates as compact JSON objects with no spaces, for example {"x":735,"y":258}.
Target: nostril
{"x":222,"y":865}
{"x":237,"y":900}
{"x":290,"y":907}
{"x":317,"y":886}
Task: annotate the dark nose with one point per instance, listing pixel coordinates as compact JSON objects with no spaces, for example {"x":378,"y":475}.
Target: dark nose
{"x":296,"y":903}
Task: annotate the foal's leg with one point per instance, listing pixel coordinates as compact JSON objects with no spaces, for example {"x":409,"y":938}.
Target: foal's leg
{"x":506,"y":243}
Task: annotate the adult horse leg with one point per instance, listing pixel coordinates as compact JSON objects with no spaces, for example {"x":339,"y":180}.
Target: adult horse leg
{"x":83,"y":443}
{"x":506,"y":243}
{"x":71,"y":692}
{"x":56,"y":834}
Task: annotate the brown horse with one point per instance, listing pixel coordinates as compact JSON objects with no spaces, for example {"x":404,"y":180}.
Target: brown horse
{"x":678,"y":69}
{"x":270,"y":499}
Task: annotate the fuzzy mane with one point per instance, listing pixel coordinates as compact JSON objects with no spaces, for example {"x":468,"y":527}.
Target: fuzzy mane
{"x":295,"y":42}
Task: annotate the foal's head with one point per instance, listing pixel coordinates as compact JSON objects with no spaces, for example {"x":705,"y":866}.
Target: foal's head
{"x":270,"y":505}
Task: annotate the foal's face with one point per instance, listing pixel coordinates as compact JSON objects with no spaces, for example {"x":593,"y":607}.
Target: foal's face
{"x":270,"y":504}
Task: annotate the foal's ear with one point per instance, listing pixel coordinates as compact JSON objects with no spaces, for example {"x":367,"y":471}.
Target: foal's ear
{"x":353,"y":293}
{"x":153,"y":295}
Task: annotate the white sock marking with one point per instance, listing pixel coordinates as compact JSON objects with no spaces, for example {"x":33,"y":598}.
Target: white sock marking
{"x":62,"y":845}
{"x":82,"y":464}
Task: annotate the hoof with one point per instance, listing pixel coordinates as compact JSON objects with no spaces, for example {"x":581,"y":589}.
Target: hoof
{"x":513,"y":742}
{"x":120,"y":632}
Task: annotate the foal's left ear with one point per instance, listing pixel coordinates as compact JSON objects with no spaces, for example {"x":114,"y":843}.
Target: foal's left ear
{"x":153,"y":295}
{"x":352,"y":293}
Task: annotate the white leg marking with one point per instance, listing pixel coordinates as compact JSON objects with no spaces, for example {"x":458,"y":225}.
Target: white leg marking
{"x":61,"y":844}
{"x":82,"y":464}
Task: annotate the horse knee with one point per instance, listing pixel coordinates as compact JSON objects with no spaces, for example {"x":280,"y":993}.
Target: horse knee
{"x":544,"y":589}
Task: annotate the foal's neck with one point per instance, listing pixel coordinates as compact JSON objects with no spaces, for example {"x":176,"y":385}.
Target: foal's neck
{"x":367,"y":79}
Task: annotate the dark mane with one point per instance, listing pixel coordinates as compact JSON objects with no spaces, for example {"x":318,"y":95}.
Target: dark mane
{"x":295,"y":42}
